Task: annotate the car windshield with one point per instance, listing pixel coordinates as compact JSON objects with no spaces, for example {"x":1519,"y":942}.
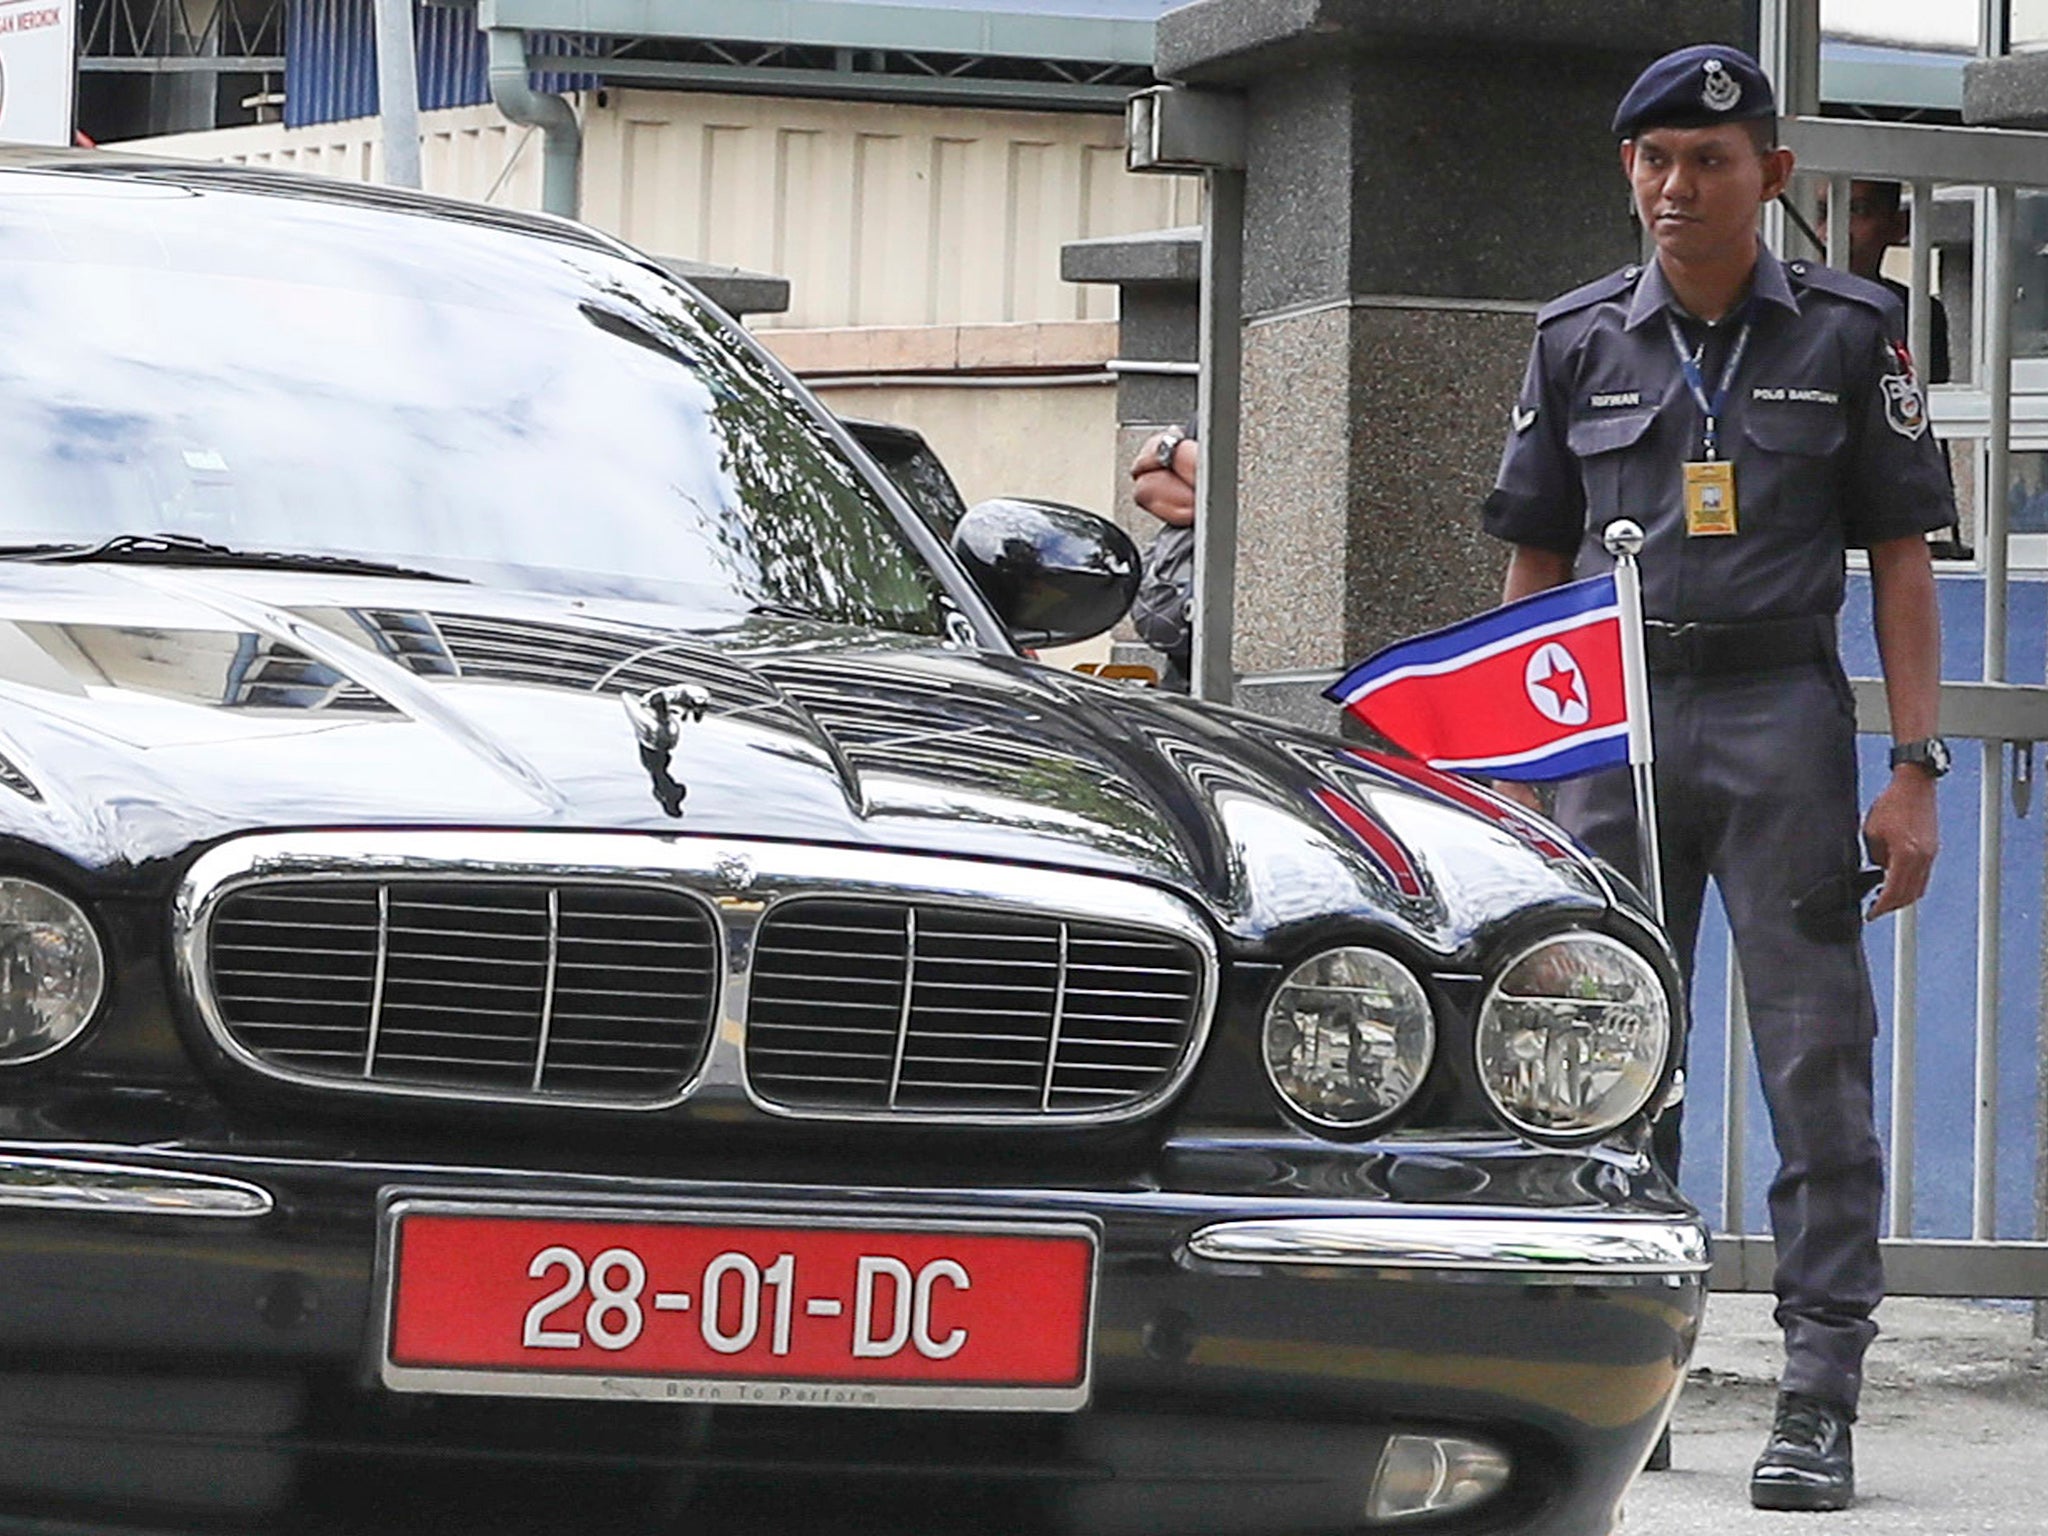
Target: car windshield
{"x":311,"y":376}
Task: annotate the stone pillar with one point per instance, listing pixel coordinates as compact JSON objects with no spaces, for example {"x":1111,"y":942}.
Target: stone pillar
{"x":1420,"y":178}
{"x":1157,"y":276}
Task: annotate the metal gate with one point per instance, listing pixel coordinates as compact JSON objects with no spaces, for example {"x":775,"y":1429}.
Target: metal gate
{"x":2007,"y":720}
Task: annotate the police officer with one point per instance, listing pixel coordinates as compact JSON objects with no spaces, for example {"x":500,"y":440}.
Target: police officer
{"x":1759,"y":419}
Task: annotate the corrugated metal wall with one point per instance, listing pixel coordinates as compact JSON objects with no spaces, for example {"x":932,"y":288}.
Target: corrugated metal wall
{"x":879,"y":214}
{"x":330,"y":60}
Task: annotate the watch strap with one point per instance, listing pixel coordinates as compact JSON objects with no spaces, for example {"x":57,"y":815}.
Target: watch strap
{"x":1930,"y":754}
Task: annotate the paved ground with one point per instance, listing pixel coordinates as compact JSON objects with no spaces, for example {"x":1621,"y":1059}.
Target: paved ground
{"x":1953,"y":1437}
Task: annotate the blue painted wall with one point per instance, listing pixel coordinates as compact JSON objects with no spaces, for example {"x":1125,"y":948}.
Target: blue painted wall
{"x":330,"y":60}
{"x":1944,"y":1061}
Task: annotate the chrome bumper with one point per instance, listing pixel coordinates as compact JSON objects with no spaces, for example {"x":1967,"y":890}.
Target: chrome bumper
{"x":1577,"y":1250}
{"x":112,"y":1189}
{"x":1506,"y":1243}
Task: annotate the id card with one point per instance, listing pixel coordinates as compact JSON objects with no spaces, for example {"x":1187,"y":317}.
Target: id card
{"x":1709,"y":499}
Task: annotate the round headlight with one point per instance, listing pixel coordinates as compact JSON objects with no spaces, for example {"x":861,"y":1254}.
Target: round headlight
{"x":1573,"y":1037}
{"x":1349,"y":1037}
{"x":52,"y":971}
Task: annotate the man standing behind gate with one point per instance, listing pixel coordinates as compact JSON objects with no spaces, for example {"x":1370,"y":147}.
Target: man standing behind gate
{"x":1759,"y":419}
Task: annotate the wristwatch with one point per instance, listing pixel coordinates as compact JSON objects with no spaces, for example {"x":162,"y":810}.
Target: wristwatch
{"x":1169,"y":444}
{"x":1930,"y":755}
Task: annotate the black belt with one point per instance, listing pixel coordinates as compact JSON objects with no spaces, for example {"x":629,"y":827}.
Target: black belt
{"x":1758,"y":645}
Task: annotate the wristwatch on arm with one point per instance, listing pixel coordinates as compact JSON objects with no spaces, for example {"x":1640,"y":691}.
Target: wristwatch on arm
{"x":1930,"y":755}
{"x":1169,"y":444}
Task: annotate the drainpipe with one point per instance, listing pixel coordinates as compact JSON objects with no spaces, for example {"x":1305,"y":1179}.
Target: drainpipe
{"x":398,"y":93}
{"x":562,"y":138}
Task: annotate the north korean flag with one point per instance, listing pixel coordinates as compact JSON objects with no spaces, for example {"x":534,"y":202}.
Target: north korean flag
{"x":1532,"y":690}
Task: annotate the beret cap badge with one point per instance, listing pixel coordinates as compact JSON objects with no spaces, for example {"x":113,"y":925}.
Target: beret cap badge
{"x":1703,"y":86}
{"x":1723,"y":92}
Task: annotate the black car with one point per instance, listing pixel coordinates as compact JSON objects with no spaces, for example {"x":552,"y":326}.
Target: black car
{"x":558,"y":969}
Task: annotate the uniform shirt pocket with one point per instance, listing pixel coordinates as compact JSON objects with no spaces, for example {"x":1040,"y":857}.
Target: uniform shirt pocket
{"x":1809,"y":432}
{"x":1607,"y":472}
{"x":1590,"y":436}
{"x":1788,"y":476}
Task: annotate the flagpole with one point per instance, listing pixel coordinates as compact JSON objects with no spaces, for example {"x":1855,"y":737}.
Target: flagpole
{"x":1624,"y":541}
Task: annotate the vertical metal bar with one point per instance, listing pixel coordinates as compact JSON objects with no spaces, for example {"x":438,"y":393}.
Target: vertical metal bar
{"x":1059,"y":1015}
{"x":909,"y":993}
{"x":1220,"y":395}
{"x":1624,"y":540}
{"x":1789,"y":49}
{"x":2041,"y":1098}
{"x":547,"y":995}
{"x":398,"y":93}
{"x":1734,"y":1097}
{"x":1838,"y":223}
{"x":377,"y":981}
{"x":1920,"y":305}
{"x":1905,"y":1033}
{"x":1991,"y":791}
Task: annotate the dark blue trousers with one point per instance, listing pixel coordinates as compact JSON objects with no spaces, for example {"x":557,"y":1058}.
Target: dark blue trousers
{"x":1756,"y":788}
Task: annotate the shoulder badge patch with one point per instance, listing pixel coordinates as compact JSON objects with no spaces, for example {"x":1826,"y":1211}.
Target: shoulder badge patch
{"x":1904,"y":411}
{"x":1723,"y":92}
{"x":1522,"y":419}
{"x":1905,"y":408}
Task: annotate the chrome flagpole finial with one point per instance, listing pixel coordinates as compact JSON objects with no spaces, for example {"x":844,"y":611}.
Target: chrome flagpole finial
{"x":1623,"y":538}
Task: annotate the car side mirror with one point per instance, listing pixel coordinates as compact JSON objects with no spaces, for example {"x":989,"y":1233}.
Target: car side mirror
{"x":1053,"y":574}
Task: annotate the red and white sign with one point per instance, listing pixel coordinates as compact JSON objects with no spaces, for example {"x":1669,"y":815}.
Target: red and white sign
{"x":796,"y":1312}
{"x":38,"y":70}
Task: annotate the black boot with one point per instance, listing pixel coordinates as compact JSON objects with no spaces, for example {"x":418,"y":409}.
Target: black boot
{"x":1808,"y":1463}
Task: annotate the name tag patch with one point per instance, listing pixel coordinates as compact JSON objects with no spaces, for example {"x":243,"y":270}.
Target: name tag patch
{"x":1796,"y":396}
{"x":1616,"y":401}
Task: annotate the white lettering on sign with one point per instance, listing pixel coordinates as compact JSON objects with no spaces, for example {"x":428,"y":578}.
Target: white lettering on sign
{"x":38,"y":71}
{"x":921,"y":1320}
{"x":1797,"y":396}
{"x":909,"y":1308}
{"x":737,"y":1295}
{"x":537,"y":1335}
{"x":866,"y":1346}
{"x":711,"y":1321}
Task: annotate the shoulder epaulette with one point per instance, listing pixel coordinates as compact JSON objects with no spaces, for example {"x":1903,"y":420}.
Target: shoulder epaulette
{"x":1847,"y":285}
{"x":1598,"y":291}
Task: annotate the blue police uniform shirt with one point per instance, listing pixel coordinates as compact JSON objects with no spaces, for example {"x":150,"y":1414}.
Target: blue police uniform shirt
{"x":1824,"y":423}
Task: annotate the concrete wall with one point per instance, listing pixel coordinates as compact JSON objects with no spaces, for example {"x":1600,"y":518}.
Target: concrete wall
{"x":469,"y":152}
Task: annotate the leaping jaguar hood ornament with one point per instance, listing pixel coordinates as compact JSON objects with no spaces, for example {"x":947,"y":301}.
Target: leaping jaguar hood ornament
{"x":658,"y":717}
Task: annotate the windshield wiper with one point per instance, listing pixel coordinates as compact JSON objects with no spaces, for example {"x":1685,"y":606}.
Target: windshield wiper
{"x":187,"y":549}
{"x":794,"y":611}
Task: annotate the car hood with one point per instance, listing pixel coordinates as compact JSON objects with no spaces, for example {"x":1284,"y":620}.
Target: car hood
{"x":149,"y":712}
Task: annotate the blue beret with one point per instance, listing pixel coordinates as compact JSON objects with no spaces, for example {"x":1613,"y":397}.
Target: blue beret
{"x":1697,"y":87}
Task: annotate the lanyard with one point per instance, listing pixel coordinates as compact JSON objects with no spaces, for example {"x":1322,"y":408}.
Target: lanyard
{"x":1689,"y":365}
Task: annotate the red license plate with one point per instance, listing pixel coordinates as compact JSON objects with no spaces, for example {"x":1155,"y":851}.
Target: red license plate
{"x":716,"y":1308}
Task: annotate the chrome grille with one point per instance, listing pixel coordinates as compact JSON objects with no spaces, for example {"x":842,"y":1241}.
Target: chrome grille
{"x":274,"y":675}
{"x":482,"y":988}
{"x":868,"y":1005}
